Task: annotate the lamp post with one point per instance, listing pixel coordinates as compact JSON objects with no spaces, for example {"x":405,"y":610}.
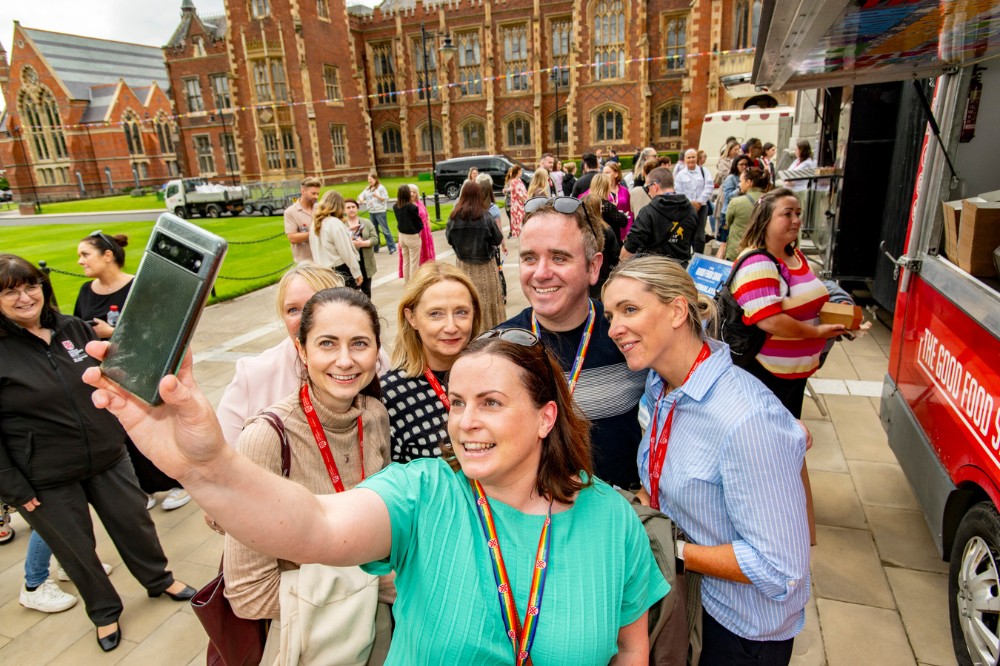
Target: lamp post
{"x":31,"y":176}
{"x":222,"y":143}
{"x":556,"y":75}
{"x":447,"y":46}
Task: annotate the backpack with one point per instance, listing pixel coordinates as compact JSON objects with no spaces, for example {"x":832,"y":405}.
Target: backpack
{"x":744,"y":341}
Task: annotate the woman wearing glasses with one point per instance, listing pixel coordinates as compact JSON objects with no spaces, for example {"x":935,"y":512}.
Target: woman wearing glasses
{"x":523,"y":478}
{"x":474,"y":235}
{"x":59,"y":456}
{"x":721,"y":457}
{"x":100,"y":302}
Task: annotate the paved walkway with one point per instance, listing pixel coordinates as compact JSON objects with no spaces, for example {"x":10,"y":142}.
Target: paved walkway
{"x":879,"y":588}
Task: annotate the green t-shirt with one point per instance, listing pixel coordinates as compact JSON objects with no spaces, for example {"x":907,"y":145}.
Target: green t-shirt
{"x":601,"y":572}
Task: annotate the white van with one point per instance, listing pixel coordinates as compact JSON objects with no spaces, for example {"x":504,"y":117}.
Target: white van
{"x":768,"y":125}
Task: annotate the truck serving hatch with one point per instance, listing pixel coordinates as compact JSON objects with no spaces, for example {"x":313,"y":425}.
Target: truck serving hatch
{"x":807,"y":44}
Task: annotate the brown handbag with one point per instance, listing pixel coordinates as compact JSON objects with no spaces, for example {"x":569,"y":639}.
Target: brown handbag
{"x":235,"y":641}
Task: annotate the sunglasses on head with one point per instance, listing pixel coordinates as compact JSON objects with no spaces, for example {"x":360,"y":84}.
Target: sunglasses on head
{"x":564,"y":205}
{"x":519,"y":336}
{"x":104,"y":237}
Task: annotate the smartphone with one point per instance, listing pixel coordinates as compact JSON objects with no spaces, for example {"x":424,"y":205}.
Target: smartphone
{"x":168,"y":294}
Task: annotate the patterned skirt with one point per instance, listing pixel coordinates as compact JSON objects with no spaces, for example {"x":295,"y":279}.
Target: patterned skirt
{"x":487,"y":282}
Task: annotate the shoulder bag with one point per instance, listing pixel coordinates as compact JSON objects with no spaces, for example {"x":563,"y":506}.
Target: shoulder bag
{"x":233,"y":640}
{"x":745,"y":341}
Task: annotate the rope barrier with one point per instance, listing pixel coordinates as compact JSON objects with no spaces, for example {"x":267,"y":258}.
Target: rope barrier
{"x":259,"y":240}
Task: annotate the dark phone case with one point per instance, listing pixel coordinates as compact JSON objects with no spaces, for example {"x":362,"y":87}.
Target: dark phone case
{"x":162,"y":309}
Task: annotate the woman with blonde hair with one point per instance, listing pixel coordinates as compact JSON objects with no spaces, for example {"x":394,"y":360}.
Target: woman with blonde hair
{"x":753,"y":554}
{"x":330,"y":241}
{"x":438,"y":315}
{"x":539,"y":185}
{"x":619,"y":195}
{"x":639,"y":169}
{"x":514,"y":187}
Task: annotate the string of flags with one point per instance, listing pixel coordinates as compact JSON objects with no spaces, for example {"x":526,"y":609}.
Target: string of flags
{"x":415,"y":92}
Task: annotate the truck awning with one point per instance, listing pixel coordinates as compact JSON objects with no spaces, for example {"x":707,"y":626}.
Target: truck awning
{"x":830,"y":43}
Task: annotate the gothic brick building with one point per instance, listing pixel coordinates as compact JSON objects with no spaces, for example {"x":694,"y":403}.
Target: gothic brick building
{"x":281,"y":89}
{"x":84,"y":116}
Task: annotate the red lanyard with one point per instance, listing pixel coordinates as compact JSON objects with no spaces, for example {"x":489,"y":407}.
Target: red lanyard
{"x":658,"y":447}
{"x":436,"y":385}
{"x":324,"y":446}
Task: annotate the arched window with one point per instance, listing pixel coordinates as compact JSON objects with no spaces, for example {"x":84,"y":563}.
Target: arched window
{"x":473,"y":135}
{"x":609,"y":125}
{"x":41,"y":121}
{"x":747,"y":23}
{"x":392,"y":140}
{"x":669,"y":119}
{"x":164,"y":133}
{"x":133,"y":135}
{"x":425,"y":138}
{"x":560,"y":127}
{"x":519,"y":131}
{"x":609,"y":38}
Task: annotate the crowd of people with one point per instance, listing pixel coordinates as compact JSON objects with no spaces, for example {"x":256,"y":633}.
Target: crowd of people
{"x":475,"y":461}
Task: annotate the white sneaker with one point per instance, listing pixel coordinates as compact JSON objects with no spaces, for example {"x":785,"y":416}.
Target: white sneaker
{"x":150,"y":502}
{"x":64,"y":577}
{"x":47,"y":598}
{"x":175,"y":499}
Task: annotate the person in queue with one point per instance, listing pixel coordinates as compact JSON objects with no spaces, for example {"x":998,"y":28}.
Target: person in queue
{"x":60,"y":457}
{"x":427,"y":252}
{"x":560,"y":255}
{"x":363,"y":236}
{"x":752,"y":185}
{"x":103,"y":258}
{"x":618,"y":194}
{"x":514,"y":188}
{"x":638,"y":196}
{"x":722,"y":459}
{"x":408,"y":225}
{"x":474,"y":235}
{"x":539,"y":185}
{"x":337,"y":431}
{"x":330,"y":241}
{"x":612,"y":222}
{"x":569,"y":179}
{"x":666,"y":225}
{"x":523,"y":475}
{"x":591,"y":167}
{"x":439,"y":314}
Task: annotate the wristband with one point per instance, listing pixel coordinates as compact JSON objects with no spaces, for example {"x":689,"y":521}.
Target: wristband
{"x":679,"y":549}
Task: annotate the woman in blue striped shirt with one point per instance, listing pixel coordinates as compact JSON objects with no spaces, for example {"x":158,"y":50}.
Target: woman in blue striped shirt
{"x":729,"y":454}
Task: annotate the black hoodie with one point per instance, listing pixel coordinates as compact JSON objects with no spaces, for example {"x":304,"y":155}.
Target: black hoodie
{"x":665,"y":226}
{"x":50,"y":432}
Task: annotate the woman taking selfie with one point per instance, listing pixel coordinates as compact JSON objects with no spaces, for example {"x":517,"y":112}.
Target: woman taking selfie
{"x":721,"y":457}
{"x":438,"y":316}
{"x":59,"y":456}
{"x":524,"y":478}
{"x":337,"y":430}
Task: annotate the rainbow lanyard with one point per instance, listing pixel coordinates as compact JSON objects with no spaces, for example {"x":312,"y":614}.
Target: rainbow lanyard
{"x":521,"y":639}
{"x":581,"y":351}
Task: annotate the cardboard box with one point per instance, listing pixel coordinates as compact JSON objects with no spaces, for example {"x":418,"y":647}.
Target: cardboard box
{"x":952,"y":220}
{"x":978,"y":236}
{"x":841,"y":313}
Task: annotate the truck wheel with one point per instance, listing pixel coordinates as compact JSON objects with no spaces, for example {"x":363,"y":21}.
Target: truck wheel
{"x":213,"y":211}
{"x":180,"y":212}
{"x":265,"y":211}
{"x":451,"y":190}
{"x":248,"y":209}
{"x":974,"y":587}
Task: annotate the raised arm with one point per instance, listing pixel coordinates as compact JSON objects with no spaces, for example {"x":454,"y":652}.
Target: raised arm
{"x":183,"y":438}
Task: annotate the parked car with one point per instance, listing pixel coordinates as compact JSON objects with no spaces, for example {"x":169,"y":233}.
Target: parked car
{"x":452,"y":173}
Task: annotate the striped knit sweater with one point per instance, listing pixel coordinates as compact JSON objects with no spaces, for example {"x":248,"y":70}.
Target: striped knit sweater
{"x":762,"y":290}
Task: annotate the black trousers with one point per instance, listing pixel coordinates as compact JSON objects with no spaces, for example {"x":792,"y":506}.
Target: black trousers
{"x":698,"y":242}
{"x":721,"y":647}
{"x":63,"y":520}
{"x":789,"y":391}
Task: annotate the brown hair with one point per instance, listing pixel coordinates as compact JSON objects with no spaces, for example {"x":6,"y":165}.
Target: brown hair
{"x":757,"y":178}
{"x":618,"y":172}
{"x":756,"y":233}
{"x":589,"y":226}
{"x":470,"y":203}
{"x":377,"y":182}
{"x":107,"y":243}
{"x":16,"y":272}
{"x":512,"y":173}
{"x":566,"y":466}
{"x":600,"y":188}
{"x":403,"y":195}
{"x":331,"y":205}
{"x":311,"y":181}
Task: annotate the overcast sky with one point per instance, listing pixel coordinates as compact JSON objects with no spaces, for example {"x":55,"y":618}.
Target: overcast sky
{"x":151,"y":22}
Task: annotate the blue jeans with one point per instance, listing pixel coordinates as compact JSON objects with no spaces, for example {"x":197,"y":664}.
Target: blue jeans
{"x":381,"y":223}
{"x":36,"y":562}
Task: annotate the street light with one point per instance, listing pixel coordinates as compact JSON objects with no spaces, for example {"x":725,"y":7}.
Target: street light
{"x":556,"y":75}
{"x":31,"y":175}
{"x":446,"y":47}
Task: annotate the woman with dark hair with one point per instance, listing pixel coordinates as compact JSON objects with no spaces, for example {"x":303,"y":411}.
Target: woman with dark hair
{"x":409,"y":226}
{"x":364,"y":238}
{"x":473,"y":234}
{"x":803,"y":160}
{"x":338,"y":433}
{"x":753,"y":183}
{"x":60,"y":456}
{"x":100,"y":300}
{"x":514,"y":188}
{"x":460,"y":538}
{"x":732,"y":486}
{"x":770,"y":150}
{"x":330,"y":241}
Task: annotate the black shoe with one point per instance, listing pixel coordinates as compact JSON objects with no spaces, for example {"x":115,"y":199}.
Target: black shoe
{"x":111,"y":641}
{"x":183,"y":595}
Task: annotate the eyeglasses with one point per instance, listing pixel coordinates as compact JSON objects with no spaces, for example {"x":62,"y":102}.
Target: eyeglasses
{"x":110,"y":242}
{"x":519,"y":336}
{"x":11,"y":295}
{"x":564,"y":205}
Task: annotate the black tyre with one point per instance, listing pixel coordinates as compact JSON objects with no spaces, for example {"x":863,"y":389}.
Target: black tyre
{"x":180,"y":212}
{"x":974,"y":587}
{"x":213,"y":211}
{"x":265,"y":211}
{"x":248,"y":209}
{"x":451,"y":190}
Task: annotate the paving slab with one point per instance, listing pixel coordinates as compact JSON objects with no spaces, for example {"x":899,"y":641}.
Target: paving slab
{"x":825,"y":454}
{"x":903,"y":540}
{"x":807,"y":649}
{"x":837,"y":365}
{"x":170,"y":644}
{"x":926,"y":622}
{"x":859,"y":429}
{"x":882,"y":484}
{"x":835,"y":501}
{"x":856,"y":635}
{"x":846,"y":567}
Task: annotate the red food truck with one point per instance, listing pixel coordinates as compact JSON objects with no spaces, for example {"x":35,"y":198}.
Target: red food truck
{"x":941,"y":397}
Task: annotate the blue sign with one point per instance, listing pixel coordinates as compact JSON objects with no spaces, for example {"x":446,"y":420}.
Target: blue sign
{"x":709,"y":273}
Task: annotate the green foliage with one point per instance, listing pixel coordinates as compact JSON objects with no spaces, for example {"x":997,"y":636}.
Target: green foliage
{"x":4,"y":184}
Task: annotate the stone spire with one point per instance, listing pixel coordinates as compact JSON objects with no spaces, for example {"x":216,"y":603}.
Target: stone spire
{"x":187,"y":6}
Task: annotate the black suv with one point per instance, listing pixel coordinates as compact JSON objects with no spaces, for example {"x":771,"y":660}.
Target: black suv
{"x":452,"y":173}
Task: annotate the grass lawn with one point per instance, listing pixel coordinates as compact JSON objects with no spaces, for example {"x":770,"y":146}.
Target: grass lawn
{"x":122,"y":202}
{"x":56,"y":245}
